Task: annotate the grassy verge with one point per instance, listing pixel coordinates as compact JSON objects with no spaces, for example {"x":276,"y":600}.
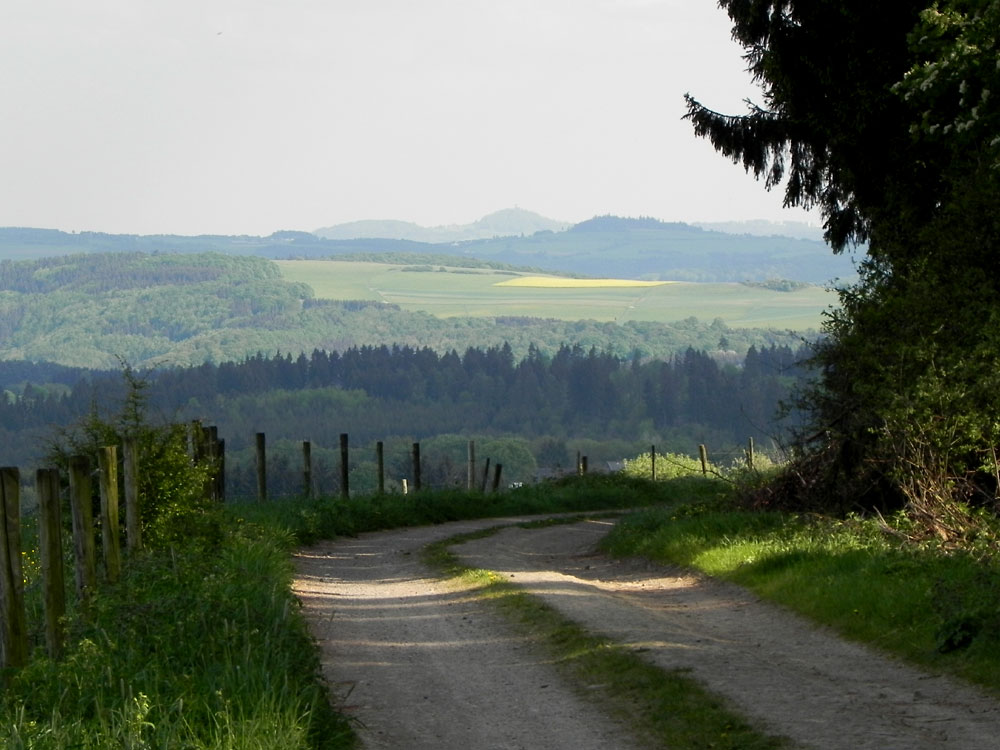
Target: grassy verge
{"x":200,"y":647}
{"x":665,"y":708}
{"x":936,"y":608}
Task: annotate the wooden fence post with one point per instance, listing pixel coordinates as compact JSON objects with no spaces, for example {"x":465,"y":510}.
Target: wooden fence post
{"x":345,"y":487}
{"x":583,"y":465}
{"x":750,"y":456}
{"x":220,"y":470}
{"x":703,"y":454}
{"x":652,"y":462}
{"x":13,"y":620}
{"x":579,"y":465}
{"x":108,"y":462}
{"x":82,"y":507}
{"x":486,"y":475}
{"x":496,"y":477}
{"x":416,"y":467}
{"x":209,"y":454}
{"x":50,"y":549}
{"x":380,"y":466}
{"x":130,"y":466}
{"x":195,"y":437}
{"x":261,"y":467}
{"x":472,"y":465}
{"x":307,"y":469}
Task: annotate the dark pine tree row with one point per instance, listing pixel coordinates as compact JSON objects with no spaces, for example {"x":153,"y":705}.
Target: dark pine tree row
{"x":374,"y":392}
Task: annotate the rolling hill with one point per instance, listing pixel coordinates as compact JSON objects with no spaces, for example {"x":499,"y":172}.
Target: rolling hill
{"x":604,"y":246}
{"x":95,"y":310}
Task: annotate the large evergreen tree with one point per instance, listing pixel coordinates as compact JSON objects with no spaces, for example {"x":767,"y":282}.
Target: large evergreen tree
{"x":885,"y":116}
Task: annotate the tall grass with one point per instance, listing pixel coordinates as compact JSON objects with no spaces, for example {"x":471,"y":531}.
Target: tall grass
{"x":195,"y":648}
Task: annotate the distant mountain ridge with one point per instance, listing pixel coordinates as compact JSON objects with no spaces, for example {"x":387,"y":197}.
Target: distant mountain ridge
{"x":508,"y":222}
{"x":604,"y":246}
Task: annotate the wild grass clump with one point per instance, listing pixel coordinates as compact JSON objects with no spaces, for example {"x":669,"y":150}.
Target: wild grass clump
{"x":862,"y":576}
{"x":194,"y":648}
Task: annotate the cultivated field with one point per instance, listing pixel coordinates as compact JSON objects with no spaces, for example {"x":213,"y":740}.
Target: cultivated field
{"x":446,"y":292}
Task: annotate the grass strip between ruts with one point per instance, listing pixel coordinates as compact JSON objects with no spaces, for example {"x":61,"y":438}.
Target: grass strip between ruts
{"x":665,"y":708}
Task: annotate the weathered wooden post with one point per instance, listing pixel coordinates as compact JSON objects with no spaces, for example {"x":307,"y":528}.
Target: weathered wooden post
{"x":583,"y":465}
{"x":472,"y":465}
{"x":195,"y":438}
{"x":82,"y":508}
{"x":130,"y":467}
{"x":703,"y":454}
{"x":50,"y":550}
{"x":13,"y":620}
{"x":750,"y":456}
{"x":579,"y":464}
{"x":486,"y":475}
{"x":496,"y":477}
{"x":107,"y":460}
{"x":652,"y":462}
{"x":345,"y":487}
{"x":220,"y":470}
{"x":307,"y":469}
{"x":380,"y":466}
{"x":209,"y":454}
{"x":416,"y":467}
{"x":261,"y":467}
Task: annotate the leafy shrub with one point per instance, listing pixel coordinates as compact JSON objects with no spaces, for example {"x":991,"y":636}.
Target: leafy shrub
{"x":174,"y":503}
{"x":668,"y":466}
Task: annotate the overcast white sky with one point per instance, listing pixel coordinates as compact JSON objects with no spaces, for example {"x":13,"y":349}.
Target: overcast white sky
{"x":249,"y":116}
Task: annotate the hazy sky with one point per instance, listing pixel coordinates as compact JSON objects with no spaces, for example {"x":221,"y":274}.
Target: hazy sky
{"x":249,"y":116}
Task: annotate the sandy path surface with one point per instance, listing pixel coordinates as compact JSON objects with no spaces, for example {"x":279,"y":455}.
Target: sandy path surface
{"x":421,"y":664}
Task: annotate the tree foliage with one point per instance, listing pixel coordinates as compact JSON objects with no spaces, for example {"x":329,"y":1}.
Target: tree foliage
{"x":884,"y":115}
{"x":153,"y":310}
{"x":577,"y":399}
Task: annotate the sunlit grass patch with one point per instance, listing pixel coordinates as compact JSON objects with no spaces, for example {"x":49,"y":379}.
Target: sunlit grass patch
{"x":556,"y":282}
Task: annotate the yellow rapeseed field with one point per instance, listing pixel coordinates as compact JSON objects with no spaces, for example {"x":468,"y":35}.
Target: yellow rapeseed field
{"x":554,"y":282}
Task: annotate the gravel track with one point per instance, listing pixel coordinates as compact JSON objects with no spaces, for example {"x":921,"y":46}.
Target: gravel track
{"x":421,"y":663}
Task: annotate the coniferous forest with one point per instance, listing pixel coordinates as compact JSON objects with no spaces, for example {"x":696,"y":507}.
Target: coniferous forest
{"x":532,"y":414}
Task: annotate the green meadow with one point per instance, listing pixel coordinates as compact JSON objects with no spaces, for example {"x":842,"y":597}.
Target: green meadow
{"x":448,"y":292}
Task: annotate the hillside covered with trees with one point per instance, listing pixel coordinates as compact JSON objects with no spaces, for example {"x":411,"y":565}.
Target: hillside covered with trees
{"x":168,"y":309}
{"x":534,"y":411}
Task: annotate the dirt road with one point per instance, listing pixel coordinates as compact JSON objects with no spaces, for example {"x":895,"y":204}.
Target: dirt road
{"x":420,"y":663}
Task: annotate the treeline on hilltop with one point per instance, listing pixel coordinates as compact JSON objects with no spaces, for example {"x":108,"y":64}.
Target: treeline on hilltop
{"x":96,"y":310}
{"x":540,"y":408}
